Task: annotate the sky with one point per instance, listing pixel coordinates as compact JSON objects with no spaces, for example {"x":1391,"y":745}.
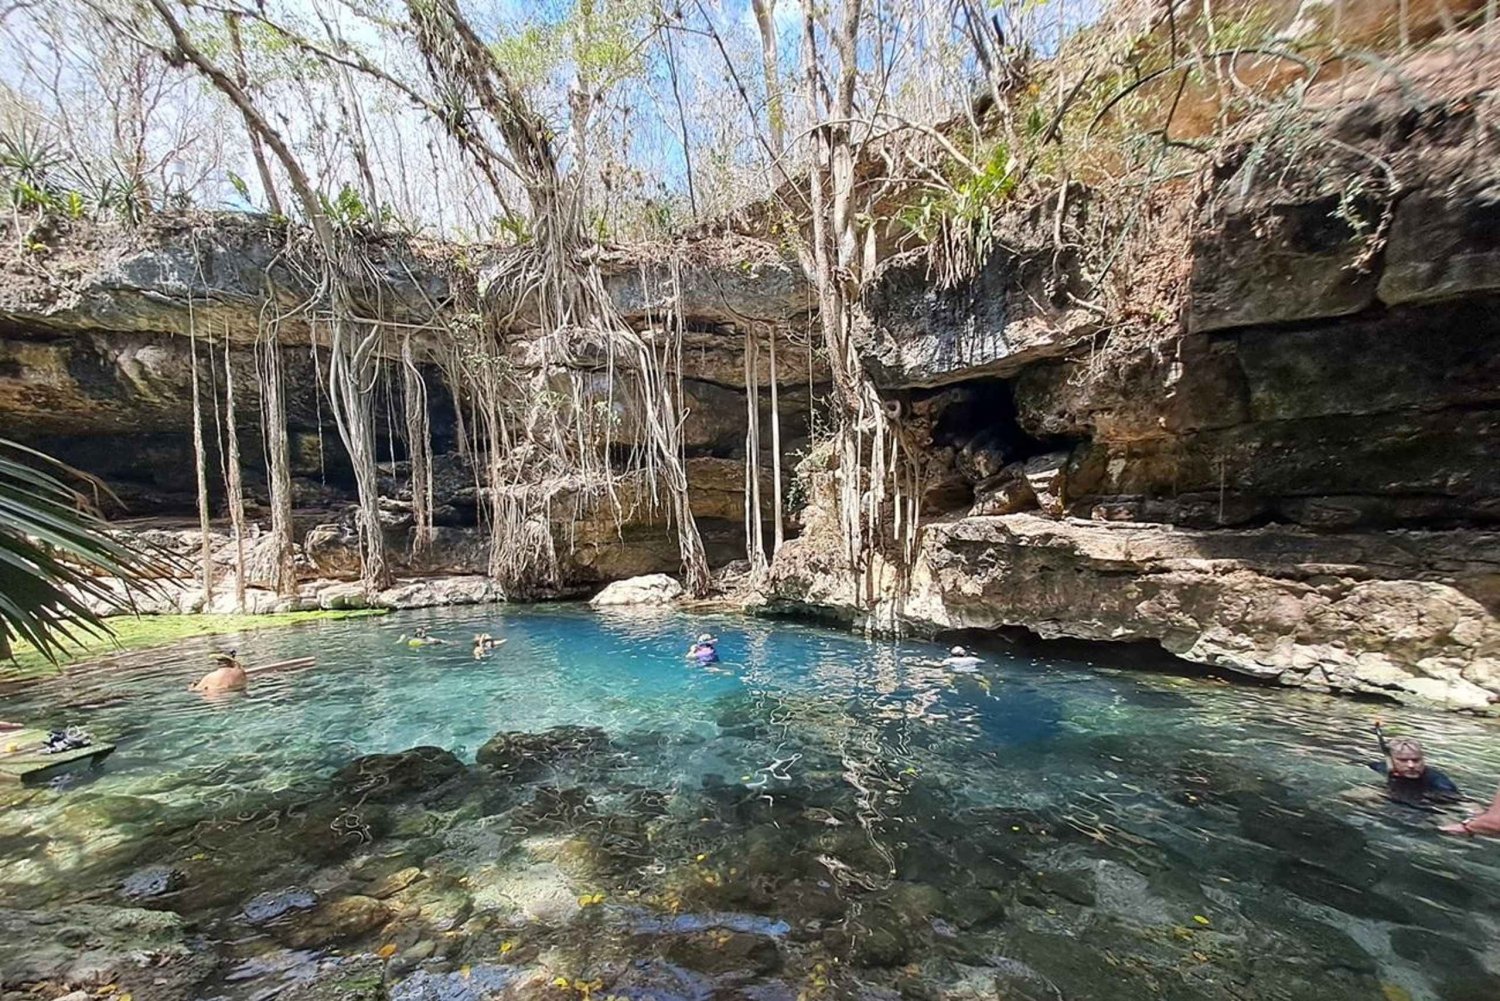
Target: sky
{"x":53,"y":63}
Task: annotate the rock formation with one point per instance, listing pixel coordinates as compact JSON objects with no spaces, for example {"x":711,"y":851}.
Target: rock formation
{"x":1282,"y":462}
{"x":1295,"y":480}
{"x":95,"y":368}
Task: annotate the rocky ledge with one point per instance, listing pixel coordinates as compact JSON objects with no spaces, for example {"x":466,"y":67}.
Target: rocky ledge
{"x":1399,"y":613}
{"x":1291,"y":474}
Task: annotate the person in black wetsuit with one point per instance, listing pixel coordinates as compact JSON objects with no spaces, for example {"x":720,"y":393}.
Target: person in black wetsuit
{"x":1408,"y":778}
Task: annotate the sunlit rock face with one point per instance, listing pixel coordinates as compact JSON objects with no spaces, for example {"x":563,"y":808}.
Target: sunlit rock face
{"x":98,"y":351}
{"x":1295,"y":479}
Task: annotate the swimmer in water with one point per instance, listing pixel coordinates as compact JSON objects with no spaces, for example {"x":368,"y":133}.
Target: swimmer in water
{"x":703,"y":651}
{"x":484,"y":645}
{"x":1409,"y":780}
{"x":1487,"y":823}
{"x":229,"y":676}
{"x":960,"y":659}
{"x":419,"y":637}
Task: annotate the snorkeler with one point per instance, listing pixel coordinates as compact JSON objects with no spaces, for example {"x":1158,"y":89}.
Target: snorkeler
{"x":419,"y":637}
{"x":960,"y":659}
{"x":229,"y":676}
{"x":704,"y":651}
{"x":1487,"y":822}
{"x":1409,"y":780}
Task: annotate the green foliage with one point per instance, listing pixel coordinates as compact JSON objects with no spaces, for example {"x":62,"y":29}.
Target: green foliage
{"x":529,"y":55}
{"x":121,"y":196}
{"x":239,"y":184}
{"x":348,"y":210}
{"x":29,"y":156}
{"x":54,"y":549}
{"x":600,"y":42}
{"x":970,"y":200}
{"x":37,"y":177}
{"x":511,"y":228}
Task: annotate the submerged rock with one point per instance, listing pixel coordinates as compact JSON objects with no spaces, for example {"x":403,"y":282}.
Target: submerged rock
{"x":388,"y":776}
{"x":335,"y":921}
{"x":523,"y":755}
{"x":272,"y":904}
{"x":722,"y":952}
{"x":393,"y":884}
{"x":153,"y":881}
{"x":479,"y":982}
{"x":89,"y":943}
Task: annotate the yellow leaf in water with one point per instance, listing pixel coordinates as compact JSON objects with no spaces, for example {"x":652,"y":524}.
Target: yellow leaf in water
{"x":1200,"y":919}
{"x":464,"y":971}
{"x":560,"y":982}
{"x":506,"y":947}
{"x":198,"y":857}
{"x":124,"y":997}
{"x":386,"y":951}
{"x":1394,"y":992}
{"x":700,"y":857}
{"x":106,"y":990}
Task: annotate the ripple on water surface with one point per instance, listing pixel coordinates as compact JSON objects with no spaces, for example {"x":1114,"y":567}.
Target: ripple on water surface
{"x":814,"y":813}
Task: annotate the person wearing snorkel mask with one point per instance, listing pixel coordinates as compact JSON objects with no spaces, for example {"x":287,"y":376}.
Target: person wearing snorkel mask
{"x":703,"y":651}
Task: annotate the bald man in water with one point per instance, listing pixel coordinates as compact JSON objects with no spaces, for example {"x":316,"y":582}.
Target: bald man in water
{"x":229,"y":676}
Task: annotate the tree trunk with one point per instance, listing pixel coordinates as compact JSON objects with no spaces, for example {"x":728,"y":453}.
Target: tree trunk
{"x":419,"y":446}
{"x":765,"y":20}
{"x":257,"y":148}
{"x":780,"y":532}
{"x":233,"y":481}
{"x":278,"y":459}
{"x":201,"y":461}
{"x":755,"y":541}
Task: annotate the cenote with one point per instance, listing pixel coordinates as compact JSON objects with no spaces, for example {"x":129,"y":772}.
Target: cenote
{"x":821,"y":816}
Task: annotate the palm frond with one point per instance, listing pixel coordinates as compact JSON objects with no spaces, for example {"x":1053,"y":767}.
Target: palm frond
{"x":56,"y":552}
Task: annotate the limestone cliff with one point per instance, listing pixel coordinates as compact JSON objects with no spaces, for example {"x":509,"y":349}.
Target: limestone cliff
{"x":1283,"y":462}
{"x":1294,"y":477}
{"x":97,"y":323}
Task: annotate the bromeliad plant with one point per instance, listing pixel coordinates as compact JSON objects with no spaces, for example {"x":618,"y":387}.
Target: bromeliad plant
{"x":55,"y":553}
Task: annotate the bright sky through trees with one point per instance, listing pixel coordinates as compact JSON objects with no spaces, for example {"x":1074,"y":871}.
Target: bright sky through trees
{"x":666,"y":76}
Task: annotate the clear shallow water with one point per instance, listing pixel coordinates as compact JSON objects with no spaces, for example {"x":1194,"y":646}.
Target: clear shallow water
{"x":825,"y":814}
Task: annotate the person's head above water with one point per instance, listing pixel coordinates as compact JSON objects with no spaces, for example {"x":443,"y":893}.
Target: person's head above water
{"x":1407,"y":760}
{"x":958,"y":651}
{"x":225,"y":657}
{"x":421,"y":632}
{"x":707,"y":639}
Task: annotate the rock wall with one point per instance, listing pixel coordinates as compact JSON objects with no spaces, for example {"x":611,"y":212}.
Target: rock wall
{"x":1295,"y":478}
{"x":96,"y":368}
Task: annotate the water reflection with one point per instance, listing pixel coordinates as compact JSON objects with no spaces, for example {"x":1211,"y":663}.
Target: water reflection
{"x":1035,"y":829}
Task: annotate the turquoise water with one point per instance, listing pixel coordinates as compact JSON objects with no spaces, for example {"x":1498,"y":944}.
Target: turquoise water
{"x":817,"y":815}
